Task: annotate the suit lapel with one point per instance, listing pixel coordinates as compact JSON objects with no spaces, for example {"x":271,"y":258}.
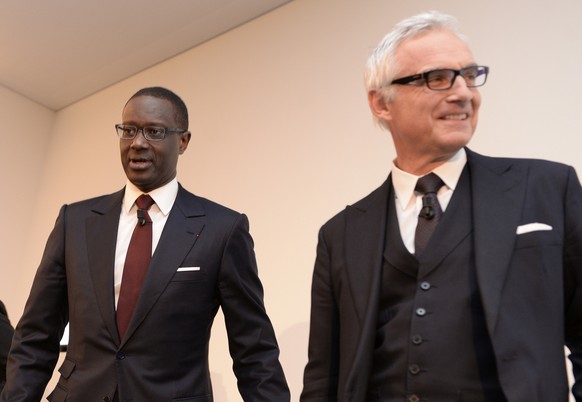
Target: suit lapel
{"x":364,"y":246}
{"x":101,"y":231}
{"x":498,"y":195}
{"x":184,"y":225}
{"x":365,"y":233}
{"x":454,"y":228}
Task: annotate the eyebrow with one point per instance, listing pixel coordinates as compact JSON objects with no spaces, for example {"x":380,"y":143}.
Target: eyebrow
{"x":473,"y":64}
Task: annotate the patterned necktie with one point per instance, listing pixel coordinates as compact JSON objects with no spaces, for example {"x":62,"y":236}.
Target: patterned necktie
{"x":430,"y":213}
{"x":139,"y":254}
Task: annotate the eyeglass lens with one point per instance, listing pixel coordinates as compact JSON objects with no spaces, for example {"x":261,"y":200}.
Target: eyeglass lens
{"x":150,"y":133}
{"x":474,"y":76}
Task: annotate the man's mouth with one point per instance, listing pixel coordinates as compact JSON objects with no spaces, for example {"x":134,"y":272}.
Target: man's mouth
{"x":457,"y":116}
{"x":139,"y":163}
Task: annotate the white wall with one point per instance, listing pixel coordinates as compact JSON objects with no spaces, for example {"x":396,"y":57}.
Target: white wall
{"x":25,"y":128}
{"x":282,"y":132}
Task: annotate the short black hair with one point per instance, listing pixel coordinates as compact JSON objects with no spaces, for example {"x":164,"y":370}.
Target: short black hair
{"x":163,"y":93}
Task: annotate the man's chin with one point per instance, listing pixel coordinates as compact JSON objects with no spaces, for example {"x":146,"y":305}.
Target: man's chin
{"x":140,"y":181}
{"x":458,"y":141}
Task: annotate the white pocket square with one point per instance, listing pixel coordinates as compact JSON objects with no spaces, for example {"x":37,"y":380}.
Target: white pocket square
{"x":532,"y":227}
{"x":185,"y":269}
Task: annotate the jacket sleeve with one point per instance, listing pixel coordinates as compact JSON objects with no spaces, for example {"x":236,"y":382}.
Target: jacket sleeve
{"x":35,"y":348}
{"x":251,"y":337}
{"x":6,"y":333}
{"x":573,"y":279}
{"x":320,"y":379}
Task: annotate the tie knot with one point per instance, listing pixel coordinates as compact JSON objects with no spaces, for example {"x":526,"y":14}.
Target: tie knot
{"x":430,"y":183}
{"x":144,"y":202}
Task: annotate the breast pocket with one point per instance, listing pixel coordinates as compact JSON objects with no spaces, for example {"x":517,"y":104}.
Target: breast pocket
{"x":542,"y":238}
{"x":189,"y":275}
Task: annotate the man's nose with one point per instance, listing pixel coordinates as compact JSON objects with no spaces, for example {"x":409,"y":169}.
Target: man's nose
{"x":139,"y":139}
{"x":461,"y":90}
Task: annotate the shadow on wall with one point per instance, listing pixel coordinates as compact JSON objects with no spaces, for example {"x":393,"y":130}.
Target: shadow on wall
{"x":293,"y":346}
{"x":293,"y":357}
{"x":218,"y":388}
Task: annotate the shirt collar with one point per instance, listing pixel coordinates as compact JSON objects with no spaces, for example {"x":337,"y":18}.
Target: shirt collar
{"x":164,"y":196}
{"x":449,"y":172}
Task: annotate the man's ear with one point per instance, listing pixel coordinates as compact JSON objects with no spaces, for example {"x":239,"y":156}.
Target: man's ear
{"x":184,"y":141}
{"x":379,"y":107}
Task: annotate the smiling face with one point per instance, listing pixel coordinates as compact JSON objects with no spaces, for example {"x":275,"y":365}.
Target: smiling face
{"x":428,"y":127}
{"x":151,"y":164}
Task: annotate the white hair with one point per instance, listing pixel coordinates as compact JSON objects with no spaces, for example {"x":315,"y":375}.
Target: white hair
{"x":382,"y":65}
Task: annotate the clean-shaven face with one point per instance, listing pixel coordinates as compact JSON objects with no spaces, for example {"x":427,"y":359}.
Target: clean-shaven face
{"x":151,"y":164}
{"x":429,"y":124}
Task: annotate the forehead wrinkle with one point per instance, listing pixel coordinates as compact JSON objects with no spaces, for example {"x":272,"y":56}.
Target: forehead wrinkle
{"x":433,"y":50}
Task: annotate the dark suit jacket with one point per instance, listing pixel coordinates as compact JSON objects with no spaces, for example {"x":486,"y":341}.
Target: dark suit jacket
{"x":164,"y":355}
{"x":529,"y":282}
{"x":6,"y":332}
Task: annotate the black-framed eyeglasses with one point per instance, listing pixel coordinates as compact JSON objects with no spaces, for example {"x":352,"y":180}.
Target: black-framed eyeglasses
{"x":444,"y":78}
{"x":150,"y":133}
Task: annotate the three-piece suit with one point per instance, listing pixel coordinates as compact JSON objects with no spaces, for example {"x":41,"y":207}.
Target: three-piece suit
{"x":525,"y":226}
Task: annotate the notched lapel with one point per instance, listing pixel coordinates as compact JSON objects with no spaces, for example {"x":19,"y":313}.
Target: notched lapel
{"x":184,"y":226}
{"x":454,"y":228}
{"x":364,"y":246}
{"x":365,"y":231}
{"x":498,"y":187}
{"x":101,"y":231}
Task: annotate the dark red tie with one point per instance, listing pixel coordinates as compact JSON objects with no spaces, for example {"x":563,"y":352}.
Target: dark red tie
{"x":431,"y":211}
{"x":139,"y":254}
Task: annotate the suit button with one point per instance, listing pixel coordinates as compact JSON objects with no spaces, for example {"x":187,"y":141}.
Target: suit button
{"x":425,"y":285}
{"x":413,"y":398}
{"x":414,"y":369}
{"x":420,"y":312}
{"x":120,"y":355}
{"x":417,"y":339}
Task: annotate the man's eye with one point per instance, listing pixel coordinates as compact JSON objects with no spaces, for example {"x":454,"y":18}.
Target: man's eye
{"x":438,"y":77}
{"x":471,"y":75}
{"x":155,"y":131}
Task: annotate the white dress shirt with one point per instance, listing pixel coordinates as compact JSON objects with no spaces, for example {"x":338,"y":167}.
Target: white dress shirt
{"x":409,"y":203}
{"x":164,"y":198}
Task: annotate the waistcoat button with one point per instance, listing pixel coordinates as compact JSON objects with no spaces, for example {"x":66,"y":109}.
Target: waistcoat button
{"x":417,"y":339}
{"x":414,"y":369}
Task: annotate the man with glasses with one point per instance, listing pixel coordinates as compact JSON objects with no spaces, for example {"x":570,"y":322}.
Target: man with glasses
{"x":139,"y":275}
{"x":457,"y":279}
